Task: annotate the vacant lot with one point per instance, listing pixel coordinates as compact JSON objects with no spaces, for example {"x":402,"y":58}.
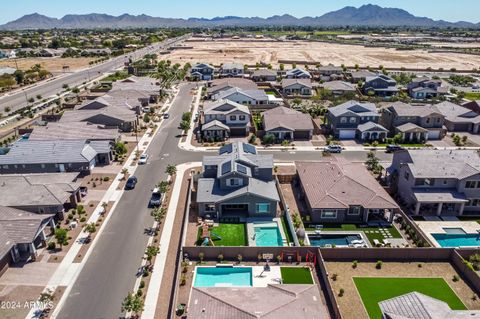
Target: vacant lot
{"x":54,"y":65}
{"x":251,"y":52}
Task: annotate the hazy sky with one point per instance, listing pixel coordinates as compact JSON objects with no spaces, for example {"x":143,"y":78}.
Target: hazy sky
{"x":451,"y":10}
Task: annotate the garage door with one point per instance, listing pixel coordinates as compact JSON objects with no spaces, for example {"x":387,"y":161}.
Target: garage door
{"x":433,"y":135}
{"x":346,"y":134}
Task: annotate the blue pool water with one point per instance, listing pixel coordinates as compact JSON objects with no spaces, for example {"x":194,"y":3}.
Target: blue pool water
{"x":337,"y":240}
{"x":268,"y":236}
{"x":223,"y":277}
{"x":451,"y":240}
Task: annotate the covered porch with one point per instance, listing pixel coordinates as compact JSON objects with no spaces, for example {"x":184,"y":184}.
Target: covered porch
{"x":413,"y":133}
{"x":215,"y":129}
{"x":439,"y":203}
{"x":371,"y":132}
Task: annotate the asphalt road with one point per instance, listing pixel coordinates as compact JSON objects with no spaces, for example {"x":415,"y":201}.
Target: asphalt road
{"x":53,"y":86}
{"x":109,"y":273}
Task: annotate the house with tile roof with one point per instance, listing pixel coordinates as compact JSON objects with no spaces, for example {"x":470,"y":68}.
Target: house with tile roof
{"x":297,"y":86}
{"x":216,"y":86}
{"x":202,"y":72}
{"x":459,"y":118}
{"x":437,"y":182}
{"x":339,"y":88}
{"x":74,"y":131}
{"x":287,"y":124}
{"x":224,"y":118}
{"x":247,"y":97}
{"x":380,"y":85}
{"x":264,"y":75}
{"x":232,"y":69}
{"x":238,"y":182}
{"x":338,"y":191}
{"x":298,"y":73}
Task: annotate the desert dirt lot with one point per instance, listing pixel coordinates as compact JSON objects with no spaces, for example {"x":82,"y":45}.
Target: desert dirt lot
{"x":54,"y":65}
{"x":251,"y":52}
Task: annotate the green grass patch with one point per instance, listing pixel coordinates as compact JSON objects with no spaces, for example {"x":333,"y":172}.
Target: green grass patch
{"x":119,"y":75}
{"x":286,"y":230}
{"x":226,"y":235}
{"x":472,"y":95}
{"x":374,"y":290}
{"x":405,"y":145}
{"x":296,"y":275}
{"x":371,"y":232}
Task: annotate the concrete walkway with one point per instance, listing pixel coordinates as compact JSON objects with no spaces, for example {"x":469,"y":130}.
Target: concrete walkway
{"x":158,"y":267}
{"x":68,"y":271}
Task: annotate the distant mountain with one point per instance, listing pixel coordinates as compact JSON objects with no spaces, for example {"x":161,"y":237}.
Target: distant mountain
{"x":366,"y":15}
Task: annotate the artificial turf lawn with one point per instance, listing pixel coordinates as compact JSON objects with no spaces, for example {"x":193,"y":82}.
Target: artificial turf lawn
{"x":369,"y":231}
{"x":296,"y":275}
{"x":374,"y":290}
{"x":230,"y":234}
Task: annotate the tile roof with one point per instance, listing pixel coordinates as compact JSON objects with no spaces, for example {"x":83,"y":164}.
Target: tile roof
{"x":411,"y":127}
{"x":264,"y":72}
{"x":214,"y":123}
{"x":209,"y":190}
{"x":404,"y":109}
{"x":43,"y":189}
{"x":258,"y":95}
{"x":371,"y":126}
{"x":302,"y":82}
{"x":271,"y":302}
{"x":283,"y":117}
{"x":73,"y":131}
{"x":121,"y":114}
{"x":457,"y":113}
{"x":224,"y":106}
{"x":226,"y":83}
{"x":338,"y":86}
{"x":354,"y":107}
{"x":340,"y":184}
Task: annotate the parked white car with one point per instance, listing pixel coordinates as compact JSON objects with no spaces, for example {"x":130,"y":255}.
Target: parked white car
{"x":143,"y":159}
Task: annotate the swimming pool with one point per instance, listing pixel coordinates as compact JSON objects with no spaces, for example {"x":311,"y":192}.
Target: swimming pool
{"x":333,"y":239}
{"x":223,"y":277}
{"x":457,"y":240}
{"x":268,"y":236}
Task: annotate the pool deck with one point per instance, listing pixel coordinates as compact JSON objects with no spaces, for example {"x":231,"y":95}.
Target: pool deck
{"x":275,"y":222}
{"x":339,"y":232}
{"x":274,"y":276}
{"x":429,"y":228}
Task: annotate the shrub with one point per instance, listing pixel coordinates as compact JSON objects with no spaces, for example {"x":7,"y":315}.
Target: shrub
{"x":220,"y":257}
{"x":139,"y":292}
{"x":455,"y":278}
{"x":51,"y":245}
{"x":334,"y":277}
{"x":83,"y":219}
{"x":378,"y":264}
{"x":354,"y":264}
{"x":106,"y":179}
{"x":341,"y":292}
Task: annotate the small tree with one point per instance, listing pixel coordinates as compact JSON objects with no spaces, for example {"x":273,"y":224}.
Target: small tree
{"x":269,"y":138}
{"x":163,"y":186}
{"x":151,"y":252}
{"x":201,"y":256}
{"x":104,"y":207}
{"x":240,"y":258}
{"x":341,"y":292}
{"x":185,"y":125}
{"x":171,"y":169}
{"x":124,"y":172}
{"x":61,"y":236}
{"x":220,"y":257}
{"x":120,"y":148}
{"x":378,"y":264}
{"x":132,"y":303}
{"x":90,"y":229}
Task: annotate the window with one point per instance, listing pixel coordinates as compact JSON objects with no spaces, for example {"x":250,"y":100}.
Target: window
{"x":241,"y":117}
{"x":5,"y":166}
{"x":42,"y":165}
{"x":438,"y":120}
{"x":209,"y":208}
{"x":329,"y":214}
{"x":428,"y":120}
{"x":445,"y":182}
{"x":343,"y":120}
{"x":354,"y":210}
{"x":263,"y":208}
{"x":353,"y":120}
{"x":423,"y":182}
{"x":470,"y":184}
{"x":233,"y":117}
{"x":235,"y":181}
{"x":473,"y":202}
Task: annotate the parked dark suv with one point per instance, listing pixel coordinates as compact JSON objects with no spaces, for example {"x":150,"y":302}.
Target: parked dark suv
{"x":131,"y":182}
{"x":392,"y":148}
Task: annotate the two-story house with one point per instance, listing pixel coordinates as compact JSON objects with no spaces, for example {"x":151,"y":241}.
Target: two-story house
{"x":417,"y":123}
{"x":380,"y":85}
{"x":247,"y":97}
{"x":355,"y":119}
{"x":232,"y":69}
{"x":238,"y":182}
{"x":298,"y":73}
{"x":437,"y":182}
{"x":301,"y":87}
{"x":202,"y":72}
{"x":337,"y":191}
{"x":224,"y":118}
{"x":424,"y":88}
{"x":459,"y":118}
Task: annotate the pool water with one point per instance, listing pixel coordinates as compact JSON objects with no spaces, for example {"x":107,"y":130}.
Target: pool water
{"x":223,"y":277}
{"x":452,"y":240}
{"x":268,"y":236}
{"x":337,"y":240}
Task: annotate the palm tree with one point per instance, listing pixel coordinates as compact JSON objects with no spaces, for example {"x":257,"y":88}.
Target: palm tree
{"x":125,"y":172}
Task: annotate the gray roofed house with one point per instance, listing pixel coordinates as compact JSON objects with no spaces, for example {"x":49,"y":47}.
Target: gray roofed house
{"x":437,"y":182}
{"x":225,"y":118}
{"x":271,"y":302}
{"x":424,"y":88}
{"x":111,"y":117}
{"x":297,"y":86}
{"x":380,"y":85}
{"x":425,"y":122}
{"x":361,"y":75}
{"x":330,"y":69}
{"x":298,"y":73}
{"x":232,"y":69}
{"x":73,"y":131}
{"x":219,"y":85}
{"x":264,"y":75}
{"x":237,"y":182}
{"x":459,"y":118}
{"x":416,"y":305}
{"x":22,"y":232}
{"x":146,"y":85}
{"x":47,"y":193}
{"x":202,"y":72}
{"x":55,"y":156}
{"x":287,"y":124}
{"x":338,"y":191}
{"x":339,"y":87}
{"x":355,"y":119}
{"x":248,"y":97}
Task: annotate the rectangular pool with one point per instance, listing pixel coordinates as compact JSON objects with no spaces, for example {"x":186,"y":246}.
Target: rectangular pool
{"x":268,"y":236}
{"x":223,"y":277}
{"x":332,"y":239}
{"x":453,"y":240}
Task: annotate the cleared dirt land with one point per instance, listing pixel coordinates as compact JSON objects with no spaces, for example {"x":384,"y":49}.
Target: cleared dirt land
{"x":251,"y":52}
{"x":54,"y":65}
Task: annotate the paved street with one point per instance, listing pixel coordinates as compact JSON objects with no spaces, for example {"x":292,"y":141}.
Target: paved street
{"x":109,"y":273}
{"x":51,"y":87}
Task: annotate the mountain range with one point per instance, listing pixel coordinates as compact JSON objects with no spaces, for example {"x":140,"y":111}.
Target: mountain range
{"x":366,"y":15}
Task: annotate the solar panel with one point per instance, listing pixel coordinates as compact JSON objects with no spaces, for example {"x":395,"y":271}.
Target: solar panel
{"x":226,"y":167}
{"x":247,"y":148}
{"x":242,"y":169}
{"x":225,"y":149}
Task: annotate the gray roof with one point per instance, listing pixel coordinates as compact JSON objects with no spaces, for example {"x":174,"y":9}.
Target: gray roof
{"x":228,"y":83}
{"x":297,"y":72}
{"x":73,"y":131}
{"x":232,"y":65}
{"x":241,"y":152}
{"x":302,"y":82}
{"x":7,"y":70}
{"x":330,"y":67}
{"x":338,"y":86}
{"x":209,"y":191}
{"x":258,"y":95}
{"x":202,"y":66}
{"x":21,"y":226}
{"x":411,"y":127}
{"x":415,"y":305}
{"x":50,"y":152}
{"x":404,"y":109}
{"x":354,"y":107}
{"x":430,"y":163}
{"x":42,"y":189}
{"x":458,"y":114}
{"x":271,"y":302}
{"x":371,"y":126}
{"x":282,"y":117}
{"x":121,"y":114}
{"x":225,"y":107}
{"x":264,"y":72}
{"x":362,"y":74}
{"x":145,"y":84}
{"x":214,"y":123}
